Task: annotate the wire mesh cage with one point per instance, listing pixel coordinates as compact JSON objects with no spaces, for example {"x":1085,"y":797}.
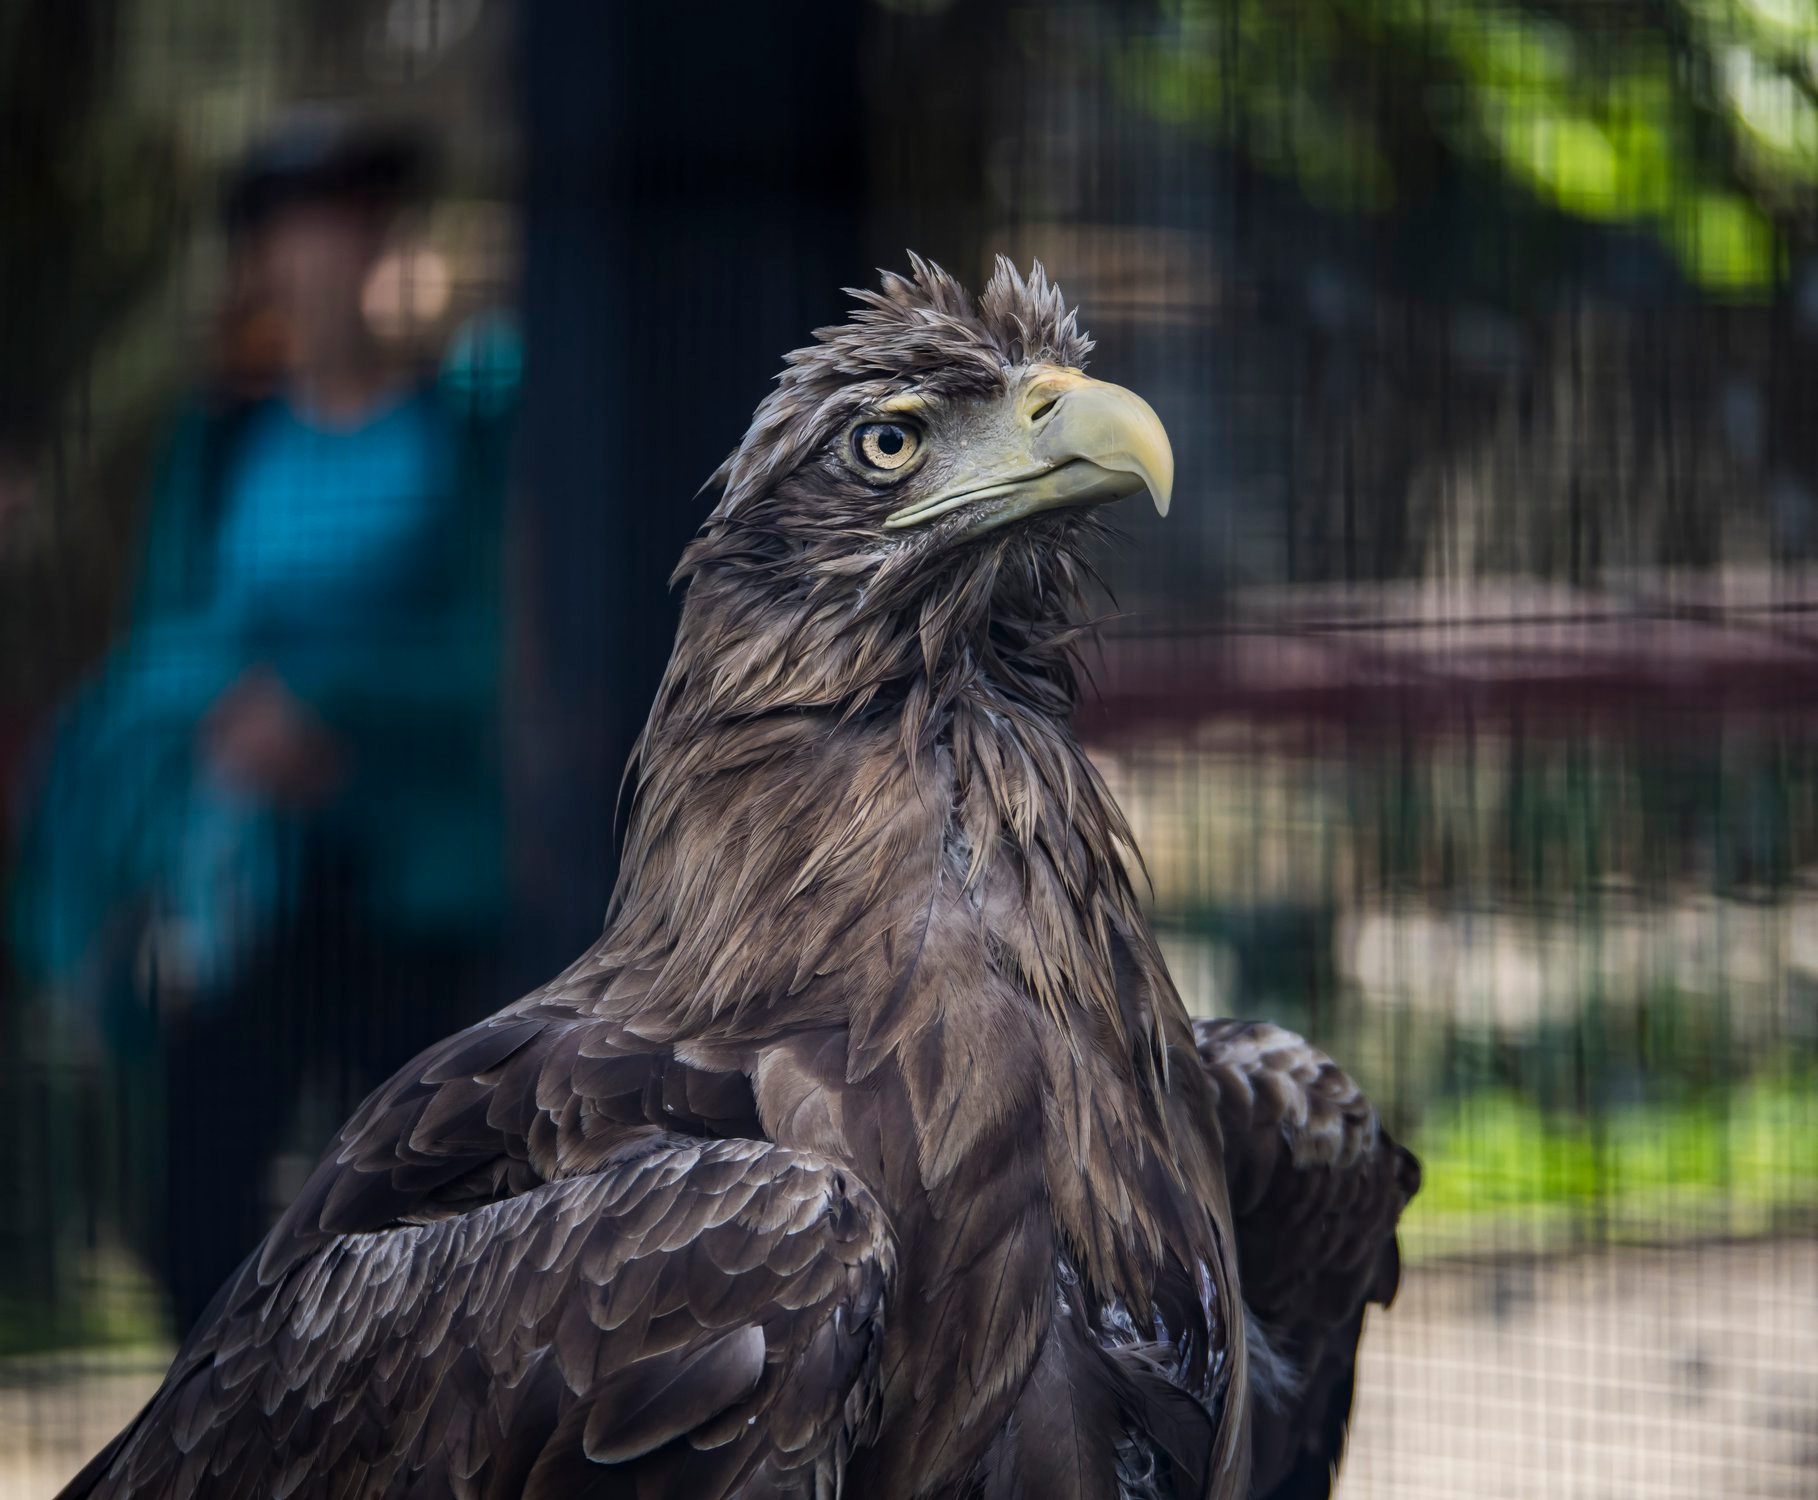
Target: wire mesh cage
{"x":1463,"y":709}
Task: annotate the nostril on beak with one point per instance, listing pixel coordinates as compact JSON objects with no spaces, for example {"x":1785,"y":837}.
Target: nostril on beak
{"x":1042,"y":410}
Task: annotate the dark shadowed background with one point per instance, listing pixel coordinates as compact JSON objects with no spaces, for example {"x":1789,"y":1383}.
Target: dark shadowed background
{"x":1466,"y":706}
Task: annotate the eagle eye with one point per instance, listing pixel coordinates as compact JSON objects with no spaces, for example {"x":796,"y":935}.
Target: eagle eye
{"x":885,"y":446}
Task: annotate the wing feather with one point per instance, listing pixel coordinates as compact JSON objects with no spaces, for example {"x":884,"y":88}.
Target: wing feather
{"x":1317,"y":1186}
{"x":534,"y":1094}
{"x":486,"y":1353}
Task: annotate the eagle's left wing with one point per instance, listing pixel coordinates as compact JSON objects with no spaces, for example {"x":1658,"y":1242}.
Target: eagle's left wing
{"x":696,"y":1319}
{"x":1317,"y":1186}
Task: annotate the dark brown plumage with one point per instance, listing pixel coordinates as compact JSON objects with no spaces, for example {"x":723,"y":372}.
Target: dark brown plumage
{"x":870,"y":1149}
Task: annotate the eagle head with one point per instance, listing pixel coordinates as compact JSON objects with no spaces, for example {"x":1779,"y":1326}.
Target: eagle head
{"x":928,"y":423}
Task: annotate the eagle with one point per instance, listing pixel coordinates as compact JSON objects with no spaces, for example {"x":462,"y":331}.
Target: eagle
{"x":870,"y":1151}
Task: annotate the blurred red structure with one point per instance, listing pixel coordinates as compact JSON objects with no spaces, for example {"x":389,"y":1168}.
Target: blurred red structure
{"x":1429,"y":656}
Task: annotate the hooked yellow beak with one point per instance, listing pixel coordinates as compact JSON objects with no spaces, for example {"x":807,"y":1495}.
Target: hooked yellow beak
{"x":1059,"y":439}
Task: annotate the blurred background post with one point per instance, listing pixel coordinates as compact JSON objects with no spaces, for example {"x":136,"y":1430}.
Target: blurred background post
{"x":1466,"y":706}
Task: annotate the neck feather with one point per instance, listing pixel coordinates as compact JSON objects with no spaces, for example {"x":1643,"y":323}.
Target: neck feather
{"x":823,"y":767}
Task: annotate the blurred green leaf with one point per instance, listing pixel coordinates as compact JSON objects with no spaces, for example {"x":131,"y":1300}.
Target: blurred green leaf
{"x":1696,"y":121}
{"x":1741,"y":1162}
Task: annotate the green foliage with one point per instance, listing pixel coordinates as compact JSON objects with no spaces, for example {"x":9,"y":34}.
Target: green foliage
{"x":1693,"y":120}
{"x":1497,"y":1165}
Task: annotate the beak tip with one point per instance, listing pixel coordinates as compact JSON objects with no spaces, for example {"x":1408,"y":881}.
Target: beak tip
{"x":1161,"y":488}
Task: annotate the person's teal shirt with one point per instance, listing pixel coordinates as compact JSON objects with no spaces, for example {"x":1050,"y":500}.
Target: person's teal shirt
{"x":333,"y":531}
{"x":362,"y":565}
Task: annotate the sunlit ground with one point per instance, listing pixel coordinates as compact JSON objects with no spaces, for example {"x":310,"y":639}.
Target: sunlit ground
{"x":1647,"y":1374}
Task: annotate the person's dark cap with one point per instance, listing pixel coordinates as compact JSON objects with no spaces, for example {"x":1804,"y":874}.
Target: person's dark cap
{"x":325,"y":153}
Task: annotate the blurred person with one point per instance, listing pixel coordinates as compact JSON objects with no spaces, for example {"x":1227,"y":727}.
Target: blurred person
{"x":268,"y":841}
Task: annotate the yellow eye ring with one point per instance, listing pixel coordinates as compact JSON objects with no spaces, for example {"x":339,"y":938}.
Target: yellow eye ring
{"x":885,"y":446}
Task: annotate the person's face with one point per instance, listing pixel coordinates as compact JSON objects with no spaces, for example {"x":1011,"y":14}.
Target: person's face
{"x":314,"y":259}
